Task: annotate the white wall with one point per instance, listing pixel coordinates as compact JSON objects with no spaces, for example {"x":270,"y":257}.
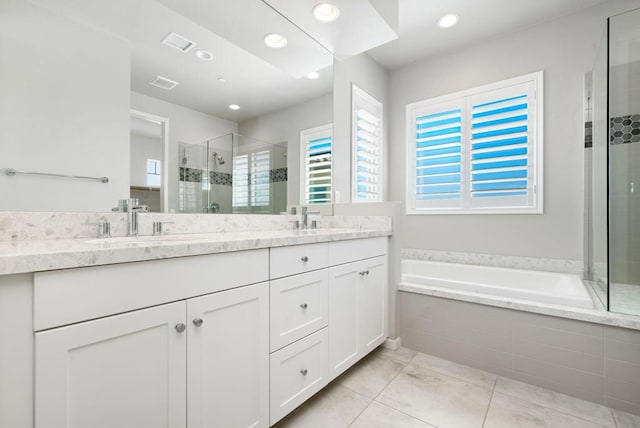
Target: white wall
{"x":64,"y":108}
{"x":285,"y":125}
{"x":185,"y":125}
{"x":373,"y":79}
{"x":565,"y":49}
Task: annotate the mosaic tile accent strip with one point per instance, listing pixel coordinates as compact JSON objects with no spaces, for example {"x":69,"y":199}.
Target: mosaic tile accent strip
{"x":588,"y":135}
{"x":625,"y":129}
{"x":192,"y":175}
{"x":221,"y":178}
{"x":277,"y":175}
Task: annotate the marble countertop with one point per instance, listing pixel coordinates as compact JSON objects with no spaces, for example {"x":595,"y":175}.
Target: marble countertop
{"x":23,"y":256}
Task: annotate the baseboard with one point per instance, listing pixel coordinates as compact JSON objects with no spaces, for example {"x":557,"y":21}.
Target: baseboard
{"x":392,"y":344}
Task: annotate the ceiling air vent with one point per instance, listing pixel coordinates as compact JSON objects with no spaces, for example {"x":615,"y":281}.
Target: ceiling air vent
{"x":179,"y":42}
{"x":163,"y":83}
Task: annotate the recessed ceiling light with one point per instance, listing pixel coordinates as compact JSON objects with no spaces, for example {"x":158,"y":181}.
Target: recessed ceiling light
{"x":448,"y":21}
{"x":313,"y":75}
{"x":326,"y":12}
{"x":179,"y":42}
{"x":234,"y":106}
{"x":204,"y":55}
{"x":275,"y":41}
{"x":222,"y":80}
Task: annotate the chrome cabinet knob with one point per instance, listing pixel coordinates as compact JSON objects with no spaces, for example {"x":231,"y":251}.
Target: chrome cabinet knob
{"x":197,"y":322}
{"x":305,"y":259}
{"x":304,"y":306}
{"x":303,"y":372}
{"x":180,"y":327}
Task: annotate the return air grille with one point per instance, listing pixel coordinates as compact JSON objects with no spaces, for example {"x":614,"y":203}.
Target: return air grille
{"x":163,"y":83}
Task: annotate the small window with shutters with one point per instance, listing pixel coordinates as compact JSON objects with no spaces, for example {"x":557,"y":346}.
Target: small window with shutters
{"x":316,"y":149}
{"x":366,"y":135}
{"x":478,"y":151}
{"x":251,"y":174}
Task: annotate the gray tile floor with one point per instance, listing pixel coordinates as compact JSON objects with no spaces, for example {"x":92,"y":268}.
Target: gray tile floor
{"x":408,"y":389}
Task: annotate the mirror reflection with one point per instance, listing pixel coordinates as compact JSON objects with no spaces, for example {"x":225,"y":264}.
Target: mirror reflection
{"x":180,"y":104}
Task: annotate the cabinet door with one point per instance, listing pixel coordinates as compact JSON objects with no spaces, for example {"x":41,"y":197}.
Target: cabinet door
{"x":372,"y":307}
{"x":343,"y":318}
{"x":228,"y":358}
{"x":127,"y":370}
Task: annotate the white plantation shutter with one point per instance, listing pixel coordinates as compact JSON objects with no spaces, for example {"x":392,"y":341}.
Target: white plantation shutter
{"x":367,"y":134}
{"x":251,"y":174}
{"x":478,"y":151}
{"x":502,"y":136}
{"x":260,"y":173}
{"x":438,"y":161}
{"x":240,"y":178}
{"x":316,"y":164}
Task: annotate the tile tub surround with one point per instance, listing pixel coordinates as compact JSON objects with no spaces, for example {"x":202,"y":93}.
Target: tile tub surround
{"x":423,"y":391}
{"x":17,"y":226}
{"x":515,"y":262}
{"x":593,"y":362}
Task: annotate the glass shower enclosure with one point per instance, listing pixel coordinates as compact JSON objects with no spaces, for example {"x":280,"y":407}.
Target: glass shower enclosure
{"x":232,"y":174}
{"x":614,"y":189}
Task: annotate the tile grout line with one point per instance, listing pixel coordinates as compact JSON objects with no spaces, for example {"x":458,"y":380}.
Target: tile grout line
{"x":377,"y":395}
{"x":493,"y":391}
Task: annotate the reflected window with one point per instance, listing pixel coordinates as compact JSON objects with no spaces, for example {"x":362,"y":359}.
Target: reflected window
{"x":316,"y":164}
{"x":154,"y":172}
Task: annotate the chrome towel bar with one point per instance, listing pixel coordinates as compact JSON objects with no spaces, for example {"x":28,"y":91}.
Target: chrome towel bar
{"x":12,"y":172}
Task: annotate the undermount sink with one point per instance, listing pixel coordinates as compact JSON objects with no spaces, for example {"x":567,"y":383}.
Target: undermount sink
{"x":145,"y":239}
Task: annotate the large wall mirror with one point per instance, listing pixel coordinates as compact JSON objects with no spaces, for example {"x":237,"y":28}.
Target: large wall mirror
{"x":178,"y":103}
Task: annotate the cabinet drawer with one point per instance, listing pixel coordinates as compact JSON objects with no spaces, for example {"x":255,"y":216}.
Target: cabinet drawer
{"x":73,"y":295}
{"x":297,"y":372}
{"x":298,"y":306}
{"x":357,"y":249}
{"x":285,"y":261}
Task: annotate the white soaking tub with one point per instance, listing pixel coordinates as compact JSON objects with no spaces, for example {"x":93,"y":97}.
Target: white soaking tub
{"x":533,"y":286}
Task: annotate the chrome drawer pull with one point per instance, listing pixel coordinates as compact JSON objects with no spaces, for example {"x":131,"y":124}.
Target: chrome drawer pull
{"x":197,"y":322}
{"x":364,"y":272}
{"x":305,"y":259}
{"x":180,"y":327}
{"x":304,"y":306}
{"x":303,"y":372}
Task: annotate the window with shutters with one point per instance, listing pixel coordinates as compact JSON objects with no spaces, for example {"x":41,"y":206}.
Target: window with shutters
{"x":366,"y":134}
{"x":316,"y":148}
{"x":477,"y":151}
{"x":251,"y":174}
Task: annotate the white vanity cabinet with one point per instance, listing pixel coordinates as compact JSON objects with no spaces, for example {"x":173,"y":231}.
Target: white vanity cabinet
{"x":122,"y":371}
{"x":358,"y":310}
{"x":328,"y":310}
{"x":198,"y":362}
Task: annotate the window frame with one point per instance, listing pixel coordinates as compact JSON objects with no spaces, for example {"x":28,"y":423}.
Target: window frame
{"x":357,"y":92}
{"x":304,"y":137}
{"x":464,"y":98}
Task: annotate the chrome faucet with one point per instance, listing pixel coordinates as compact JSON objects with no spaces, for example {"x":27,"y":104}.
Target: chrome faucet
{"x":305,"y":217}
{"x":132,"y":207}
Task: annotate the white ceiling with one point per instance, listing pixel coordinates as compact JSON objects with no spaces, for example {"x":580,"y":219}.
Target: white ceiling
{"x":359,"y":28}
{"x":480,"y":20}
{"x":252,"y":81}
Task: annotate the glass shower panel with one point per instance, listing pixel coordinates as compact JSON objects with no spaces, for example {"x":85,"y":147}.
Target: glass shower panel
{"x":193,"y":184}
{"x":624,"y":163}
{"x":596,"y":158}
{"x":259,"y":176}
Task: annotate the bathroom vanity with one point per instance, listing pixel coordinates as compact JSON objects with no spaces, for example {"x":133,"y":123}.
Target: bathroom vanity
{"x":232,"y":338}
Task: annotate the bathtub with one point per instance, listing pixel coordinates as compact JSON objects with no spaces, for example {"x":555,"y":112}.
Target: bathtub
{"x":533,"y":286}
